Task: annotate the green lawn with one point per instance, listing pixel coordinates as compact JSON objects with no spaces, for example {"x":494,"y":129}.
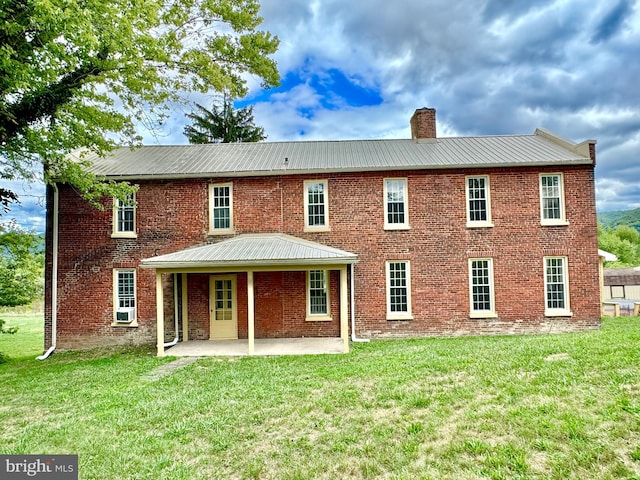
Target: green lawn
{"x":549,"y":406}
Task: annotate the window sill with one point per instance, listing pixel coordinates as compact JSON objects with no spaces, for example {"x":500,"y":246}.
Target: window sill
{"x":133,"y":324}
{"x":554,"y":223}
{"x":483,"y":315}
{"x":226,"y":231}
{"x":124,"y":235}
{"x":395,"y":317}
{"x":404,"y":226}
{"x":558,"y":313}
{"x":479,"y":224}
{"x":317,"y":229}
{"x":319,"y":318}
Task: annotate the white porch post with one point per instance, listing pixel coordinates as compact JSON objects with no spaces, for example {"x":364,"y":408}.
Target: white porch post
{"x":185,"y":310}
{"x":160,"y":313}
{"x":250,"y":313}
{"x":344,"y":311}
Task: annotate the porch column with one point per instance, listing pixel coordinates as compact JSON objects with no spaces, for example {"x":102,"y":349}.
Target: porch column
{"x":344,"y":310}
{"x":250,"y":313}
{"x":160,"y":313}
{"x":185,"y":310}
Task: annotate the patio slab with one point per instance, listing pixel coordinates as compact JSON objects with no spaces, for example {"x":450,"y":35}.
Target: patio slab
{"x":262,"y":347}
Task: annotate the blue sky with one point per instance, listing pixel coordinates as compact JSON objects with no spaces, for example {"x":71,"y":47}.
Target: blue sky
{"x":358,"y":70}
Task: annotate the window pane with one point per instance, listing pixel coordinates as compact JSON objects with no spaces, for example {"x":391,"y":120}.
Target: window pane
{"x":398,"y":293}
{"x":481,"y":285}
{"x":126,"y":290}
{"x":395,"y":201}
{"x":551,"y":201}
{"x":556,"y":283}
{"x":477,"y":200}
{"x":318,"y":292}
{"x":125,"y":215}
{"x":316,"y":204}
{"x":221,"y":207}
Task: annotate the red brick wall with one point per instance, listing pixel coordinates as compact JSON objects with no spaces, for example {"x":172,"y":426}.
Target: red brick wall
{"x":174,"y":215}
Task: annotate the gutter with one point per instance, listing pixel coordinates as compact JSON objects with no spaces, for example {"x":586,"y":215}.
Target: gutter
{"x":353,"y":312}
{"x":54,"y":277}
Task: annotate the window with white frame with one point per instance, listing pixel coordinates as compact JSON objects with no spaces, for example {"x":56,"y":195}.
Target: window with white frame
{"x":552,"y":211}
{"x":124,"y":217}
{"x":318,"y":295}
{"x":316,"y":205}
{"x":478,"y":201}
{"x":221,"y":208}
{"x":481,"y":290}
{"x":395,"y":205}
{"x":398,"y":290}
{"x":556,"y":286}
{"x":124,"y":292}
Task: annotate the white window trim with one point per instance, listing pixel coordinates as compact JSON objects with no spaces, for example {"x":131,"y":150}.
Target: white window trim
{"x":396,"y":226}
{"x":557,"y":312}
{"x":116,"y":302}
{"x":221,"y":231}
{"x":316,"y":228}
{"x":323,"y":317}
{"x":563,"y":217}
{"x":482,"y":313}
{"x":408,"y":315}
{"x":487,"y":187}
{"x":115,"y":232}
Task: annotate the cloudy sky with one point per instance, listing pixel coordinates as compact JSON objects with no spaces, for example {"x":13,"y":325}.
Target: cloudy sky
{"x":358,"y":70}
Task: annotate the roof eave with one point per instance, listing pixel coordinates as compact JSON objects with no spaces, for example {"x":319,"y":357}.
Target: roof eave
{"x":248,"y":264}
{"x":316,"y":171}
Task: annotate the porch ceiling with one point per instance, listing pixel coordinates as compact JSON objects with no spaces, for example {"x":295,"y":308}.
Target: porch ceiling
{"x":253,"y":250}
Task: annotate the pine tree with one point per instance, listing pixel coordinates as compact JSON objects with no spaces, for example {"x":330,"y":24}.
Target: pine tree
{"x":223,"y":124}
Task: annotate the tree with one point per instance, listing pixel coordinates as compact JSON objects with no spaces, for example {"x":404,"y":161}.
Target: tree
{"x":623,"y":241}
{"x":80,"y":76}
{"x":223,"y":124}
{"x":21,"y":267}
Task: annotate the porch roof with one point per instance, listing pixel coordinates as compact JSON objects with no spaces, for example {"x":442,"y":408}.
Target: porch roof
{"x":253,"y":250}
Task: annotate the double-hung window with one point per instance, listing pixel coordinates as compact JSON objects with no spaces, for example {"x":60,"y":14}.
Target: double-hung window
{"x":316,"y":205}
{"x":556,"y":287}
{"x":552,"y":208}
{"x":478,"y":201}
{"x":124,"y":296}
{"x":221,"y":208}
{"x":124,"y":217}
{"x":482,"y":303}
{"x":398,"y":290}
{"x":318,"y":295}
{"x":396,"y":212}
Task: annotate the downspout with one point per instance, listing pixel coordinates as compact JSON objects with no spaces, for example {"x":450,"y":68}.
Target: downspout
{"x":54,"y":277}
{"x":353,"y":311}
{"x":175,"y":310}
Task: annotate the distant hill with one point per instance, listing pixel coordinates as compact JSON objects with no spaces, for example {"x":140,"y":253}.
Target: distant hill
{"x":620,"y":217}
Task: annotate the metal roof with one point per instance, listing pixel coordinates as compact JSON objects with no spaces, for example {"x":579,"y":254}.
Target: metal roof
{"x":253,"y":250}
{"x":282,"y":158}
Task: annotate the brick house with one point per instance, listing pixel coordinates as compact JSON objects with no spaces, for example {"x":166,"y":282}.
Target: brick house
{"x":371,"y":238}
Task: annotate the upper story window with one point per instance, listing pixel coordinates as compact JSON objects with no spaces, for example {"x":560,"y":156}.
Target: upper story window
{"x":124,"y":297}
{"x":556,"y":287}
{"x":396,"y":212}
{"x":481,"y":288}
{"x":398,"y":290}
{"x":221,"y":208}
{"x":318,"y":295}
{"x":316,"y":205}
{"x":552,"y":210}
{"x":478,"y":202}
{"x":124,"y":217}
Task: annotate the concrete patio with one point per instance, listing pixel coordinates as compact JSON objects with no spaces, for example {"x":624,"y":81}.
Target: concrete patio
{"x":263,"y":347}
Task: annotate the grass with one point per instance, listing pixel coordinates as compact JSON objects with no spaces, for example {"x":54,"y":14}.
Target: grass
{"x":528,"y":407}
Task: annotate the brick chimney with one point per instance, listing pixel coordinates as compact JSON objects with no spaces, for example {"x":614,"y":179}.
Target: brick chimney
{"x":423,"y":124}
